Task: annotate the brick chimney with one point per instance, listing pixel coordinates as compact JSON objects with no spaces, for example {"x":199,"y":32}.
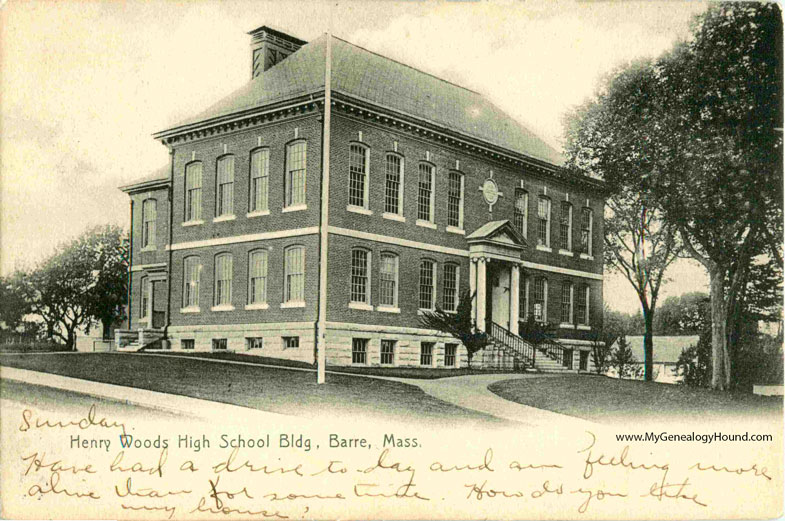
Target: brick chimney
{"x":269,"y":47}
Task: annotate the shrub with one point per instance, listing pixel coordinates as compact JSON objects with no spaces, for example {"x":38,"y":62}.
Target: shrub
{"x":622,"y":358}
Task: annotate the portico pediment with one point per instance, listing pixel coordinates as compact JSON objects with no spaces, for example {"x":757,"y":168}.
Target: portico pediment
{"x":497,"y":238}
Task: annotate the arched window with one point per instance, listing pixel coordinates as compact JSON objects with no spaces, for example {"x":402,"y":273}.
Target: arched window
{"x":192,"y":274}
{"x":521,"y":215}
{"x":223,"y":280}
{"x":393,"y":185}
{"x":425,"y":193}
{"x":296,"y":159}
{"x":427,"y":292}
{"x":193,"y":192}
{"x":544,"y":221}
{"x":388,"y":280}
{"x":224,"y":191}
{"x":358,"y":175}
{"x":541,"y":299}
{"x":566,"y":302}
{"x":455,"y":200}
{"x":452,"y":274}
{"x":294,"y":274}
{"x":259,"y":187}
{"x":144,"y":302}
{"x":257,"y":277}
{"x":149,"y":218}
{"x":360,"y":281}
{"x":565,"y":227}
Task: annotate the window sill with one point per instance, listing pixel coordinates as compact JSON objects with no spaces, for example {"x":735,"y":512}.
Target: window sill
{"x":192,"y":309}
{"x":360,"y":305}
{"x":422,"y":311}
{"x":587,"y":257}
{"x":259,"y":305}
{"x":568,"y":253}
{"x":293,"y":304}
{"x":359,"y":209}
{"x":394,"y":217}
{"x":542,"y":247}
{"x":426,"y":224}
{"x":258,"y":213}
{"x":222,"y":307}
{"x":453,"y":229}
{"x":193,"y":223}
{"x":222,"y":218}
{"x":147,"y":248}
{"x":565,"y":325}
{"x":583,"y":327}
{"x":388,"y":309}
{"x":295,"y":208}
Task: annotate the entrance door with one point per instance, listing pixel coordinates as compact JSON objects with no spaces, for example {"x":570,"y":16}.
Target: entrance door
{"x":498,"y":301}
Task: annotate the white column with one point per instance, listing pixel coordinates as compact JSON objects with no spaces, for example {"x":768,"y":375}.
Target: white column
{"x":515,"y":294}
{"x":473,"y":285}
{"x":481,"y":265}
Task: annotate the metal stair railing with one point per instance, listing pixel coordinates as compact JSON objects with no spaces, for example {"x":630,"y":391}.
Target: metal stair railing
{"x":553,"y":350}
{"x":519,"y":347}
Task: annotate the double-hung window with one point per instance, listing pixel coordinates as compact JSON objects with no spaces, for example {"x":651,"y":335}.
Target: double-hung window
{"x":451,"y":280}
{"x":427,"y":284}
{"x":521,"y":213}
{"x":360,"y":351}
{"x":360,"y":282}
{"x":223,"y":280}
{"x":523,"y":306}
{"x":224,"y":198}
{"x":425,"y":193}
{"x":294,"y":274}
{"x":580,"y":306}
{"x":544,"y":222}
{"x":144,"y":304}
{"x":259,"y":189}
{"x":387,"y":352}
{"x":455,"y":200}
{"x":393,"y":185}
{"x":426,"y":353}
{"x":193,"y":192}
{"x":296,"y":158}
{"x":358,"y":176}
{"x":566,"y":303}
{"x":192,"y":273}
{"x":149,"y":217}
{"x":257,"y":277}
{"x":541,"y":299}
{"x":388,"y":280}
{"x":587,"y":222}
{"x":565,"y":227}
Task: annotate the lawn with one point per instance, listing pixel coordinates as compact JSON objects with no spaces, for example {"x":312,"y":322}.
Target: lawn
{"x":602,"y":399}
{"x":267,"y":388}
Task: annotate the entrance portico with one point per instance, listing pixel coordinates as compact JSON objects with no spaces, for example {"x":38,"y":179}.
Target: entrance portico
{"x":495,"y":274}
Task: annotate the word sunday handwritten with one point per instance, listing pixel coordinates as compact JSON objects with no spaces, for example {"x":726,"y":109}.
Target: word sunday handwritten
{"x":85,"y":422}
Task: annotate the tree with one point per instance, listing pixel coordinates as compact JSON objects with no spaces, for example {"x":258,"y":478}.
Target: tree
{"x":622,"y":358}
{"x":698,"y":133}
{"x":82,"y":282}
{"x":458,"y":324}
{"x":614,"y":326}
{"x":687,"y":314}
{"x":13,"y":302}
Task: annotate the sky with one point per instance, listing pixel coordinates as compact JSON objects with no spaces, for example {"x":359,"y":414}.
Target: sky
{"x":83,"y":85}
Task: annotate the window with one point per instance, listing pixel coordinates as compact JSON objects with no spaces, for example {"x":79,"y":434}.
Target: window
{"x":426,"y":353}
{"x":427,"y":284}
{"x":449,"y":354}
{"x":388,"y":352}
{"x":425,"y":194}
{"x":360,"y":351}
{"x":260,"y":169}
{"x":583,"y":363}
{"x":223,"y":280}
{"x":359,"y":283}
{"x":219,"y":344}
{"x":544,"y":224}
{"x":567,"y":360}
{"x":580,"y":306}
{"x":521,"y":215}
{"x":541,"y":299}
{"x":587,"y":223}
{"x":358,"y":175}
{"x":254,"y":343}
{"x":388,"y":280}
{"x":295,"y":174}
{"x":291,"y":342}
{"x":451,"y":280}
{"x":523,"y":306}
{"x":294,"y":273}
{"x":193,"y":192}
{"x":257,"y":277}
{"x":192,"y":271}
{"x":565,"y":226}
{"x":187,"y":344}
{"x":566,"y":303}
{"x":149,"y":216}
{"x":224,"y":199}
{"x":393,"y":185}
{"x":455,"y":200}
{"x":144,"y":304}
